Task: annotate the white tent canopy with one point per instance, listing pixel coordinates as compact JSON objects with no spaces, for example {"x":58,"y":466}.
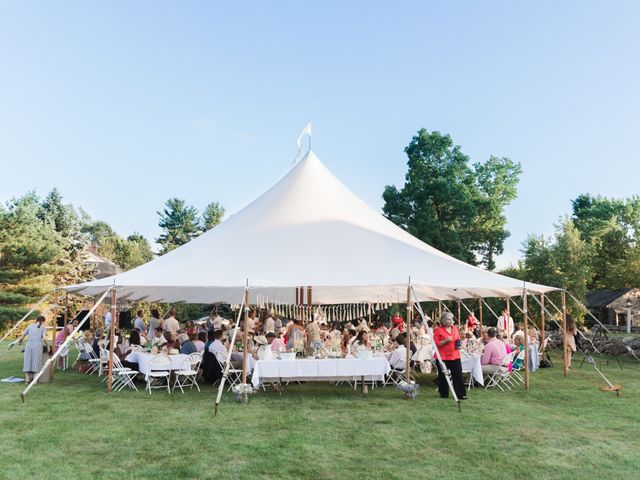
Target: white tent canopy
{"x":307,"y":230}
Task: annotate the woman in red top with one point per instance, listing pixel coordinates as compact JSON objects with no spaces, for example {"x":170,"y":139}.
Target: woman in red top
{"x":447,"y":339}
{"x":472,"y":324}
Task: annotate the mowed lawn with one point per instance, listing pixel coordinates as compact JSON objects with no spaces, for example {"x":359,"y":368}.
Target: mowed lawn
{"x":560,"y":429}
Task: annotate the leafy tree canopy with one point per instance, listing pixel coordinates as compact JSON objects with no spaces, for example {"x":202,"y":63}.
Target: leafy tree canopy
{"x":455,"y":206}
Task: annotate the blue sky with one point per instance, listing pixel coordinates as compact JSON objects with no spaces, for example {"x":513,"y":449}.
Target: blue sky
{"x":122,"y":105}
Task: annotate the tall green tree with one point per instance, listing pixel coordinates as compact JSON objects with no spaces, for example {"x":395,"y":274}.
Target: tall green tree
{"x":30,"y":250}
{"x":179,"y":223}
{"x":211,"y":216}
{"x":454,"y":206}
{"x":612,"y":228}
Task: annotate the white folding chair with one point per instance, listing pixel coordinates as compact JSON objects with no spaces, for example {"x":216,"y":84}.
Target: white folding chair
{"x":93,"y":360}
{"x":395,"y":376}
{"x":499,"y":377}
{"x":159,"y":368}
{"x":235,"y":374}
{"x":515,"y":376}
{"x":64,"y":355}
{"x":187,"y":375}
{"x":123,"y":375}
{"x":466,"y":367}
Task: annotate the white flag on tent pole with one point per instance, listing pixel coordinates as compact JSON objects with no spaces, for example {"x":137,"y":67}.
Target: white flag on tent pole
{"x":306,"y":130}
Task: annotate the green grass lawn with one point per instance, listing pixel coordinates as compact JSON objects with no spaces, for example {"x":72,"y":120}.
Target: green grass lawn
{"x":560,"y":429}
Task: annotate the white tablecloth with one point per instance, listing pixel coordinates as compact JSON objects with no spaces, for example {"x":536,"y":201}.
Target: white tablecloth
{"x":471,"y":363}
{"x":143,"y":358}
{"x":534,"y":357}
{"x":319,"y":370}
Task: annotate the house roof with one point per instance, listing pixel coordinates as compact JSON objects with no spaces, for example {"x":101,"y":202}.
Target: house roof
{"x":602,"y":298}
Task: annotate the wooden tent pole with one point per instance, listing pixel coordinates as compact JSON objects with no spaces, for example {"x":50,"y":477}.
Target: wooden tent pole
{"x":526,"y":340}
{"x":407,"y":368}
{"x":480,"y":308}
{"x":66,"y":318}
{"x":112,"y":331}
{"x":439,"y":309}
{"x":245,"y":336}
{"x":459,"y":319}
{"x":565,"y":363}
{"x":542,"y":321}
{"x":54,"y":325}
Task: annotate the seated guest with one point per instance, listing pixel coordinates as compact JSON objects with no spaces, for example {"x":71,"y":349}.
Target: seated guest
{"x":494,"y":352}
{"x":277,"y":344}
{"x":158,"y":339}
{"x":186,"y":344}
{"x":134,"y":339}
{"x":216,"y":345}
{"x":96,"y":342}
{"x":210,"y":339}
{"x":398,"y":357}
{"x":172,"y":341}
{"x":361,"y":342}
{"x":191,"y":327}
{"x":269,"y":325}
{"x":199,"y":342}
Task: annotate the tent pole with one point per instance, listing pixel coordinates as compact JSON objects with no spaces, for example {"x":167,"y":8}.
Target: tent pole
{"x":526,"y":340}
{"x":542,"y":322}
{"x":33,"y":309}
{"x":245,"y":336}
{"x":225,"y":373}
{"x":407,"y":368}
{"x":112,"y":331}
{"x":480,"y":309}
{"x":459,"y":318}
{"x":54,"y":325}
{"x":65,"y":316}
{"x":55,"y":355}
{"x":565,"y":364}
{"x":439,"y":309}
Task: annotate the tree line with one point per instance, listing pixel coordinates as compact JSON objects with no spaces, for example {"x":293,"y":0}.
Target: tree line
{"x":43,"y":244}
{"x":458,"y":207}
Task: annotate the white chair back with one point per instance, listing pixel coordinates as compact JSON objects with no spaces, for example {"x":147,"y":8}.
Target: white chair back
{"x":160,"y":362}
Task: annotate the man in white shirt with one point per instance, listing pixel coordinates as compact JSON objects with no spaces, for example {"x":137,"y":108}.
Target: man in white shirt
{"x":398,"y":358}
{"x":251,"y":322}
{"x":505,"y":323}
{"x":171,"y":325}
{"x":217,"y":347}
{"x":269,"y":325}
{"x":217,"y":322}
{"x":139,"y":324}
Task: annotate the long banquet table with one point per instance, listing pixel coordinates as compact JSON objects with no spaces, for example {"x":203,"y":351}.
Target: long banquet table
{"x":320,"y":370}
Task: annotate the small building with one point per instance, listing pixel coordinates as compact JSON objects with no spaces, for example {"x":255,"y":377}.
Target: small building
{"x":102,"y":267}
{"x":610,"y":306}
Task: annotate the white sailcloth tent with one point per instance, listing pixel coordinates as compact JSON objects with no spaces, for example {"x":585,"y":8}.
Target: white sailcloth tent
{"x":307,"y":230}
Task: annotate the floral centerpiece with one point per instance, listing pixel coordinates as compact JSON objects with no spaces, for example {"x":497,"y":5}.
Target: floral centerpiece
{"x":410,"y":389}
{"x":242,"y":392}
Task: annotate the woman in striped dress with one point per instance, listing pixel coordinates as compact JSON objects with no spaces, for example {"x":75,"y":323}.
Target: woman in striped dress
{"x":33,"y":351}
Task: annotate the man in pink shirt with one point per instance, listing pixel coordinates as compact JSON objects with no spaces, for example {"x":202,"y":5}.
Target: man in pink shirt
{"x":494,"y":351}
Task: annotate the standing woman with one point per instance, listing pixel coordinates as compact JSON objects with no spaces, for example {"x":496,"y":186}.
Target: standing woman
{"x":33,"y":351}
{"x":570,"y":335}
{"x":447,"y":339}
